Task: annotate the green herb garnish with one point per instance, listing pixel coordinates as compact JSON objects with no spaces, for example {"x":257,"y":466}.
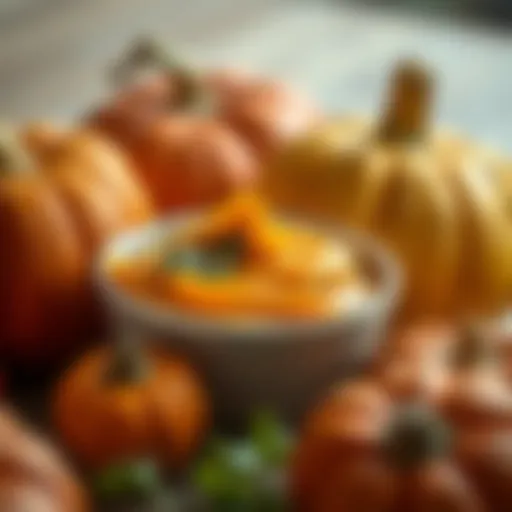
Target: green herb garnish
{"x":220,"y":257}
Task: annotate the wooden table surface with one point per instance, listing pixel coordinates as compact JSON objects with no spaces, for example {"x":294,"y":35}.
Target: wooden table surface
{"x":53,"y":53}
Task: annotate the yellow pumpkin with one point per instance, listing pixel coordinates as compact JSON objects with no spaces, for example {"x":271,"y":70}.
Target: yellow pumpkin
{"x":439,"y":200}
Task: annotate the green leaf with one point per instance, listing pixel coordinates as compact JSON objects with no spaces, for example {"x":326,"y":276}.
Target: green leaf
{"x":241,"y":475}
{"x":138,"y":479}
{"x":271,"y":438}
{"x":212,"y":476}
{"x":230,"y":469}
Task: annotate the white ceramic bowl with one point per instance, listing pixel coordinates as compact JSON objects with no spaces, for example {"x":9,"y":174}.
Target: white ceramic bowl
{"x":281,"y":365}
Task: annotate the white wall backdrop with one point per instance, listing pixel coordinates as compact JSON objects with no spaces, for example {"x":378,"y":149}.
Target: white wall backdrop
{"x":53,"y":53}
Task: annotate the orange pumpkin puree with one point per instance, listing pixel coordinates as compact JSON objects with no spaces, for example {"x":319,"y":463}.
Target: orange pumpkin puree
{"x":240,"y":261}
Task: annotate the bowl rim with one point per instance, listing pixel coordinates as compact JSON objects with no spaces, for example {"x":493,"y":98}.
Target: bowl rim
{"x":181,"y":323}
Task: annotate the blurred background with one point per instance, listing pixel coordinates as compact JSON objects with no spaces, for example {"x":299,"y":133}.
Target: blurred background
{"x":54,"y":53}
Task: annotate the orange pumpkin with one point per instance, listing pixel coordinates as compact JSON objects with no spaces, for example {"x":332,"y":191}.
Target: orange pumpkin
{"x":118,"y":403}
{"x":33,"y":476}
{"x":62,"y":194}
{"x":367,"y":449}
{"x":195,"y":138}
{"x":460,"y":370}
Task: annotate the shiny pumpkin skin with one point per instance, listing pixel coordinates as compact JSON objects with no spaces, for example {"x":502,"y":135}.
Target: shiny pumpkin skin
{"x":191,"y":161}
{"x":438,"y":200}
{"x":341,"y":463}
{"x":78,"y":192}
{"x":33,"y":477}
{"x":102,"y":422}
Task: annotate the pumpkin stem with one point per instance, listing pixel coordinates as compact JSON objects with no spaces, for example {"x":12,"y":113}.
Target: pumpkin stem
{"x":14,"y":158}
{"x":129,"y":364}
{"x":409,"y":103}
{"x":472,"y":347}
{"x":416,"y":435}
{"x":149,"y":53}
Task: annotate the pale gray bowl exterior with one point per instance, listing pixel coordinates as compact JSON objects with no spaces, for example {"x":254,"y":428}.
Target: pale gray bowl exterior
{"x":284,"y":366}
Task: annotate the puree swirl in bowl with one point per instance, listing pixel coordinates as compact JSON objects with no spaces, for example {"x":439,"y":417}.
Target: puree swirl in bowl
{"x":242,"y":261}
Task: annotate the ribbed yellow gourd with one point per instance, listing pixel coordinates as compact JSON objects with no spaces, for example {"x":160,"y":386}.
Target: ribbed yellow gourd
{"x":441,"y":202}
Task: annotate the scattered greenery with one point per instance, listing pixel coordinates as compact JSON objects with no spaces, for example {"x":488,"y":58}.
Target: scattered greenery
{"x":138,"y":479}
{"x":246,"y":475}
{"x":234,"y":475}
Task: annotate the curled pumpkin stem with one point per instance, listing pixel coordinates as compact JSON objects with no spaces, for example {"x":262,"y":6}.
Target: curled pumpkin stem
{"x":416,"y":435}
{"x":128,"y":365}
{"x":148,"y":53}
{"x":409,"y":104}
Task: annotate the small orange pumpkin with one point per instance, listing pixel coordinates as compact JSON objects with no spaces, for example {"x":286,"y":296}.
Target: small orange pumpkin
{"x":62,"y":194}
{"x":195,"y":138}
{"x":365,"y":448}
{"x":119,"y":402}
